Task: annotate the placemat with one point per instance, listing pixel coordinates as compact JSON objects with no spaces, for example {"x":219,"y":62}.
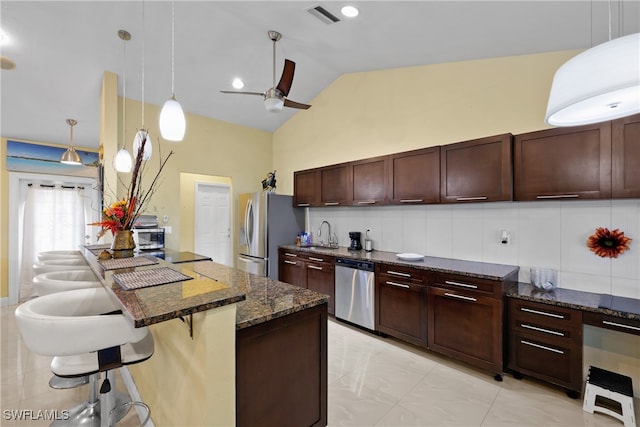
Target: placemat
{"x":137,"y":261}
{"x":145,"y":278}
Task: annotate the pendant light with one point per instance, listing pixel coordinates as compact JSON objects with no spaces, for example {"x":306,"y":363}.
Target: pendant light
{"x":142,"y":134}
{"x":70,"y":157}
{"x":172,"y":122}
{"x":599,"y":84}
{"x":123,"y":162}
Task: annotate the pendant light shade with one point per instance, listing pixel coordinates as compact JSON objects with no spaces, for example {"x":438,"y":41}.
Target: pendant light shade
{"x":141,"y":135}
{"x":123,"y":161}
{"x":70,"y":157}
{"x":599,"y":84}
{"x":172,"y":122}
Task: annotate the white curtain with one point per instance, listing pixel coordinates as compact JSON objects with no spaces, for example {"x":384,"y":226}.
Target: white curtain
{"x":53,"y":219}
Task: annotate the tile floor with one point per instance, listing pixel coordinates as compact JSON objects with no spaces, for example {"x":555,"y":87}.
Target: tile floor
{"x":372,"y":382}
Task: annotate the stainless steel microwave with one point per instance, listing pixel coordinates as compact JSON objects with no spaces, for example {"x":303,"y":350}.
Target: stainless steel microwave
{"x":148,"y":238}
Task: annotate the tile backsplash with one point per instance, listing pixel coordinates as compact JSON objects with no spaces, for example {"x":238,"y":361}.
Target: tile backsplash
{"x":550,"y":234}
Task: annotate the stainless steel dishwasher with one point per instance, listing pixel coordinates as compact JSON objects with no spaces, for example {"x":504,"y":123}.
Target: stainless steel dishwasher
{"x":355,"y":292}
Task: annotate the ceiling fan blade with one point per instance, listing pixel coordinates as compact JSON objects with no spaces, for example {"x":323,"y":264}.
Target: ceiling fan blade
{"x":243,"y":93}
{"x":293,"y":104}
{"x":286,"y":79}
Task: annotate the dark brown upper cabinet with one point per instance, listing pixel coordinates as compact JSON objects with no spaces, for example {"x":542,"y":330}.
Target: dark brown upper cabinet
{"x":414,"y":176}
{"x":369,"y":181}
{"x":625,"y":157}
{"x":306,"y":188}
{"x":563,"y":163}
{"x":335,"y":185}
{"x":476,"y":171}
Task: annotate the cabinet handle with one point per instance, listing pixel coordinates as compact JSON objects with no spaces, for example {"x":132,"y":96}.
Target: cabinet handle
{"x":447,"y":294}
{"x":546,"y":331}
{"x":331,"y":203}
{"x":462,"y":285}
{"x":411,"y":200}
{"x":315,"y":267}
{"x":316,"y":259}
{"x":303,"y":205}
{"x":400,"y":285}
{"x":543,"y":347}
{"x":620,"y":325}
{"x":397,"y":273}
{"x":543,"y":313}
{"x":290,"y":254}
{"x":290,"y":262}
{"x":367,"y":202}
{"x":469,"y":199}
{"x":559,"y":196}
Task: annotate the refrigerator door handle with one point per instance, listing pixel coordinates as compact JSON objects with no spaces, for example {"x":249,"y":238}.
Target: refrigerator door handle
{"x":248,"y":223}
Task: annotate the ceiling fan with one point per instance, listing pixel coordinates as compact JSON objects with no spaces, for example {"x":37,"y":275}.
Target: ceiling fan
{"x":275,"y":98}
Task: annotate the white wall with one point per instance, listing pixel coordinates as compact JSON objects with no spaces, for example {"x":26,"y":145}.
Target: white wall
{"x":543,"y":234}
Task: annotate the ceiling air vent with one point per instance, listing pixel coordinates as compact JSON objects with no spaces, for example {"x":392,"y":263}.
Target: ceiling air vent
{"x":323,"y":14}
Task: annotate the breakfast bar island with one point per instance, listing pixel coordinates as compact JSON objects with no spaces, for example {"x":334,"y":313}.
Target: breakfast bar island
{"x":231,"y":348}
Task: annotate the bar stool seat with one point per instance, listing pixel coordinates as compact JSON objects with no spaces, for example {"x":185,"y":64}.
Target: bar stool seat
{"x":60,"y":281}
{"x":614,"y":387}
{"x":68,"y":254}
{"x":59,"y":265}
{"x":86,"y":335}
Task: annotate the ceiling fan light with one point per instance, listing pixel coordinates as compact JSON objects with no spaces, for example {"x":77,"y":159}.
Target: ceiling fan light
{"x":172,"y":121}
{"x":599,"y":84}
{"x":273,"y":105}
{"x":137,"y":141}
{"x":70,"y":157}
{"x":122,"y":162}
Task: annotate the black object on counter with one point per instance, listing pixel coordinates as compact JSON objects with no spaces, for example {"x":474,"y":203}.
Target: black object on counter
{"x":356,"y":245}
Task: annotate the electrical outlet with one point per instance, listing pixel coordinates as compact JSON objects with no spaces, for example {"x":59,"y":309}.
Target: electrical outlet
{"x":167,"y":230}
{"x":505,"y":237}
{"x":165,"y":218}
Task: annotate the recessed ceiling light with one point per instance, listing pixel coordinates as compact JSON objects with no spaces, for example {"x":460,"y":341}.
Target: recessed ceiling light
{"x":237,"y":83}
{"x":350,"y":11}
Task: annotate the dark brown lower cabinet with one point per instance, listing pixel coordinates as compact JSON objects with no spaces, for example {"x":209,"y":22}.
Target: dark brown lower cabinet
{"x":467,"y":326}
{"x":291,"y":269}
{"x":281,"y":371}
{"x":321,"y":278}
{"x":545,"y":342}
{"x":401,"y":309}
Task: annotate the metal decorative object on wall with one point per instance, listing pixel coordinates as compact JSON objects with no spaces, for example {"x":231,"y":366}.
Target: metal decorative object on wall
{"x":269,"y":183}
{"x":608,"y":243}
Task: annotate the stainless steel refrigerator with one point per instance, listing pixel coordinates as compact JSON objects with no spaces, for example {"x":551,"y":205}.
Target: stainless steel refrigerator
{"x":267,"y":220}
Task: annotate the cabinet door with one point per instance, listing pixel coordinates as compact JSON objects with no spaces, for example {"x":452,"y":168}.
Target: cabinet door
{"x":292,"y":271}
{"x":476,"y":171}
{"x":625,"y":162}
{"x":563,"y":163}
{"x":320,"y":278}
{"x":415,"y":177}
{"x":306,"y":188}
{"x":467,"y":327}
{"x":335,"y":185}
{"x":401,"y":310}
{"x":369,"y":180}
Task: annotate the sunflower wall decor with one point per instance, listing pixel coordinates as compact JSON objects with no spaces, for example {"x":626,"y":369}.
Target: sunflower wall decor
{"x":608,"y":243}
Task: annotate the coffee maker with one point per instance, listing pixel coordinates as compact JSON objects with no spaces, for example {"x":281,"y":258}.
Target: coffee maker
{"x":355,"y":241}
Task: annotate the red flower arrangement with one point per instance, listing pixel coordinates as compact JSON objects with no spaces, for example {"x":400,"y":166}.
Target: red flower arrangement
{"x":608,"y":244}
{"x":122,"y":214}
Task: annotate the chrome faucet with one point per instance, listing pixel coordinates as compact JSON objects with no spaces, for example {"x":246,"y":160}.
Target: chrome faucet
{"x":330,"y":239}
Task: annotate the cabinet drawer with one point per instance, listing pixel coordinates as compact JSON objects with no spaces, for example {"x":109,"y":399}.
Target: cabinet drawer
{"x":289,"y":254}
{"x":544,"y":315}
{"x":400,"y":272}
{"x":549,"y":361}
{"x":469,"y":284}
{"x":629,"y":326}
{"x":318,"y":259}
{"x":320,"y":267}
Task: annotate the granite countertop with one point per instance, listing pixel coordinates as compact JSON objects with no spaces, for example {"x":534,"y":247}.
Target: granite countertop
{"x":266,"y":298}
{"x":481,"y":270}
{"x":611,"y":305}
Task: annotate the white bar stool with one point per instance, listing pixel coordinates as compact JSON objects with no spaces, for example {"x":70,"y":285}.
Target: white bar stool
{"x":80,"y":329}
{"x":66,"y":280}
{"x":47,"y":255}
{"x":614,"y":387}
{"x":59,"y":265}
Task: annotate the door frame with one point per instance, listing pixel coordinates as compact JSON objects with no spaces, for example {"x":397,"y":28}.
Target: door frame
{"x":15,"y":180}
{"x":226,"y":186}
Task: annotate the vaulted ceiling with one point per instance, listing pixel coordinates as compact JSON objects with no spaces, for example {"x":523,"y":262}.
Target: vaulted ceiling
{"x":61,"y":50}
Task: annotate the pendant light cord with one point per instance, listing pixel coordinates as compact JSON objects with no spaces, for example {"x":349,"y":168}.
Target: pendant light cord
{"x":124,"y":88}
{"x":173,"y":48}
{"x":143,"y":64}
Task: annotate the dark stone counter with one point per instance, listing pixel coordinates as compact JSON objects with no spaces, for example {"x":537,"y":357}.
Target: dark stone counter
{"x":610,"y":305}
{"x":481,"y":270}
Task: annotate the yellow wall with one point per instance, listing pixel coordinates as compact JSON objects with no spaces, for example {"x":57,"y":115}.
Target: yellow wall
{"x":374,"y":113}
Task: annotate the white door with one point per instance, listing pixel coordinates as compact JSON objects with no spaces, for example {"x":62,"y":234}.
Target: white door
{"x":213,"y":222}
